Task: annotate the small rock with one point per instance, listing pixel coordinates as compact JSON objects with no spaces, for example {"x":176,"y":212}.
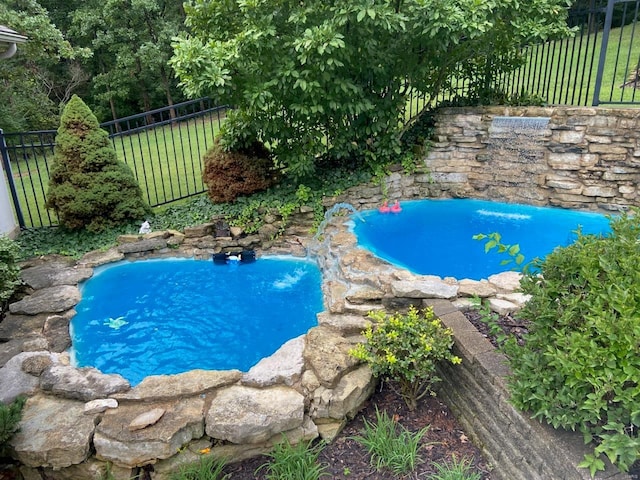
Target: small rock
{"x":146,"y":419}
{"x":36,"y":364}
{"x":100,"y":405}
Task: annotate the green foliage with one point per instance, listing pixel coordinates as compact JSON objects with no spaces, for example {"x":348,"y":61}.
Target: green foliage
{"x":315,"y":79}
{"x":580,"y":365}
{"x":491,"y":320}
{"x":494,"y":241}
{"x":41,"y":74}
{"x":390,"y":444}
{"x":10,"y":416}
{"x":406,"y":348}
{"x":131,"y":44}
{"x":207,"y":468}
{"x":89,"y":187}
{"x":298,"y":462}
{"x":9,"y":269}
{"x":455,"y":470}
{"x":229,"y":174}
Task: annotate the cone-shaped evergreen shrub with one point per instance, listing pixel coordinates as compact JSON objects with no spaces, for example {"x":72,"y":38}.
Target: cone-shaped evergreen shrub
{"x":89,"y":187}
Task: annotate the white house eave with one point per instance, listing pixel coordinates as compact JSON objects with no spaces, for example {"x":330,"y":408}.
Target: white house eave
{"x":9,"y":40}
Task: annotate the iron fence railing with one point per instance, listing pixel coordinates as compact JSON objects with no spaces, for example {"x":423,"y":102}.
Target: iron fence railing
{"x":164,"y":149}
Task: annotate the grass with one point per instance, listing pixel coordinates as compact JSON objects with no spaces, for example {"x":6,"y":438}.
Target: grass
{"x":390,"y":444}
{"x":299,"y":462}
{"x":208,"y":468}
{"x":455,"y":470}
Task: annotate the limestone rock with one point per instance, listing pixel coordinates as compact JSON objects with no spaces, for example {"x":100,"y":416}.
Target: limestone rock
{"x":11,"y":348}
{"x":99,"y":257}
{"x":518,"y":298}
{"x":51,"y":299}
{"x":346,"y":399}
{"x":35,"y":344}
{"x":249,"y":415}
{"x":191,"y":383}
{"x":327,"y":354}
{"x":15,"y":381}
{"x":146,"y":419}
{"x":424,"y":287}
{"x":347,"y":324}
{"x":36,"y":364}
{"x":81,"y":383}
{"x":473,"y":288}
{"x":53,"y":433}
{"x":181,"y":423}
{"x":92,"y":469}
{"x":15,"y":326}
{"x":284,"y":366}
{"x":56,"y":331}
{"x":51,"y":275}
{"x":502,"y":307}
{"x":100,"y":405}
{"x":506,"y":281}
{"x":145,"y":245}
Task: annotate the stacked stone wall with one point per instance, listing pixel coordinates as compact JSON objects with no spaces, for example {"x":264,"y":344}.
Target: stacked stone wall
{"x":587,"y":158}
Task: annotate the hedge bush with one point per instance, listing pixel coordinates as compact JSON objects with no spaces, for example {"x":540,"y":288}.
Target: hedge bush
{"x":231,"y":173}
{"x":580,"y":365}
{"x":89,"y":187}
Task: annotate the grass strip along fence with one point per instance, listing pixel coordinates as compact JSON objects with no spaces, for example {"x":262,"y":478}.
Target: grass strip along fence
{"x":163,"y":148}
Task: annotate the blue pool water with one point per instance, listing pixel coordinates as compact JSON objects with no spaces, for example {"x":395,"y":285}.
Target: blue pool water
{"x":174,"y":315}
{"x":435,"y":237}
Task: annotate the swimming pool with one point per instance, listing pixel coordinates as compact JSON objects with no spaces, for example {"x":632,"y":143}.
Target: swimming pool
{"x":435,"y":237}
{"x":166,"y":316}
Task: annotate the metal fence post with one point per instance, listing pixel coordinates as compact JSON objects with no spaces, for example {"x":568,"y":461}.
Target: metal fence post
{"x":603,"y":52}
{"x":6,"y":164}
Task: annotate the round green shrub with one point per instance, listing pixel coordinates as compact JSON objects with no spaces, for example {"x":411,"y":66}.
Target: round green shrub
{"x":406,"y":349}
{"x":580,"y":365}
{"x":89,"y":187}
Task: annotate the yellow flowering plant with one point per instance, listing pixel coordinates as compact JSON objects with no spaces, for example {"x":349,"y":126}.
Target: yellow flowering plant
{"x":406,"y":348}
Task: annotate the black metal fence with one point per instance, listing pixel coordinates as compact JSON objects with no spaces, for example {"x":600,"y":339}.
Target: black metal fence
{"x":598,"y":65}
{"x":163,"y":148}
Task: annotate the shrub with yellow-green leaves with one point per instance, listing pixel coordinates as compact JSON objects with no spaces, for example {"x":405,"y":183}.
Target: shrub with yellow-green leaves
{"x":406,"y":348}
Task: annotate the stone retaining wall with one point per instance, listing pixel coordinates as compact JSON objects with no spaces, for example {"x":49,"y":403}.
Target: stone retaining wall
{"x":587,"y":158}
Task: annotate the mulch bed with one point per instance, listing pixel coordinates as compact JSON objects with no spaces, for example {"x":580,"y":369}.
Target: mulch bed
{"x":344,"y":458}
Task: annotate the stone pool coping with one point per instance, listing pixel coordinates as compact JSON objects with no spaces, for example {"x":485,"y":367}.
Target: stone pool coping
{"x":312,"y":379}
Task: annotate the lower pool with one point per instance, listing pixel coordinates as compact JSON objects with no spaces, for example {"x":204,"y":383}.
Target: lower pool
{"x":435,"y":237}
{"x":167,"y":316}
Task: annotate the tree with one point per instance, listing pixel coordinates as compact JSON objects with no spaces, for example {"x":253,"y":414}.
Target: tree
{"x":307,"y":76}
{"x":89,"y":187}
{"x":42,"y":74}
{"x":131,"y":41}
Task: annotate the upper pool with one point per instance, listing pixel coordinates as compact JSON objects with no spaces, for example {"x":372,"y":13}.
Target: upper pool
{"x":435,"y":237}
{"x":168,"y":316}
